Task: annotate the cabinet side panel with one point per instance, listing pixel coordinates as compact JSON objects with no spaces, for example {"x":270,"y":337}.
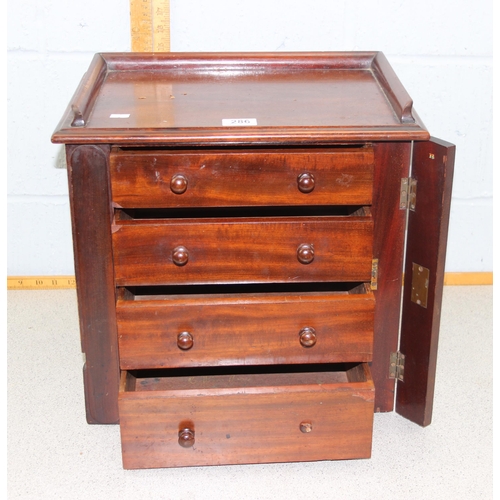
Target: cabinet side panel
{"x":392,"y":162}
{"x":91,"y":221}
{"x":432,"y":168}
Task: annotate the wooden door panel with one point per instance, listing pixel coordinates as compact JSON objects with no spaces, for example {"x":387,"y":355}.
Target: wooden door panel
{"x":432,"y":168}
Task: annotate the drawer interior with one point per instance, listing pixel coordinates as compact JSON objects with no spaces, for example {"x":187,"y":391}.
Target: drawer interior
{"x":234,"y":377}
{"x":139,"y":214}
{"x":123,"y":215}
{"x":173,"y":292}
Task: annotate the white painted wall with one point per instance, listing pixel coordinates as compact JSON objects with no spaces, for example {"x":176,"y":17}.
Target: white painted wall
{"x":442,"y":52}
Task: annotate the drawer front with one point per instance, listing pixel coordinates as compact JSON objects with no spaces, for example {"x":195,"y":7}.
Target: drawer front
{"x":249,"y":329}
{"x":234,"y":419}
{"x":237,"y":251}
{"x":154,"y":179}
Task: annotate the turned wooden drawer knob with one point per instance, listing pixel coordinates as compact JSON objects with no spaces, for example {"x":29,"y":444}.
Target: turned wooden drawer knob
{"x":180,"y":256}
{"x":305,"y":182}
{"x":178,"y":184}
{"x":307,"y":336}
{"x":305,"y":253}
{"x":306,"y":427}
{"x":186,"y":437}
{"x":185,"y":341}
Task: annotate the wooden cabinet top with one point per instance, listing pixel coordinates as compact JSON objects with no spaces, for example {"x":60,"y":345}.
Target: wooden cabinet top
{"x":239,"y":98}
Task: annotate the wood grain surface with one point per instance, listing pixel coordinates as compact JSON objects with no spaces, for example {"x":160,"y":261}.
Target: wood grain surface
{"x":246,"y":329}
{"x":91,"y":218}
{"x":240,"y":250}
{"x":392,"y":163}
{"x":433,"y":165}
{"x":265,"y":418}
{"x":145,"y":179}
{"x":295,"y":99}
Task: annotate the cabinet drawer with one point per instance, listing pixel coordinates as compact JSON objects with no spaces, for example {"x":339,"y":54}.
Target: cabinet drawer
{"x":252,"y":328}
{"x":156,"y":178}
{"x":243,"y":250}
{"x":245,"y":418}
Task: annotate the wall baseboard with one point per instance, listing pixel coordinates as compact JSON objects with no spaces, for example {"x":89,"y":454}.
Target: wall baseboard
{"x":62,"y":282}
{"x":468,"y":278}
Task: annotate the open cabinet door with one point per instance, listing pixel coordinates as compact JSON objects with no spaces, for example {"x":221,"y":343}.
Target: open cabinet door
{"x":432,"y":169}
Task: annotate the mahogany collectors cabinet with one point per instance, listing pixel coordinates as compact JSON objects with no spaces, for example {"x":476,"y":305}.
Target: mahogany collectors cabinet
{"x":241,"y":226}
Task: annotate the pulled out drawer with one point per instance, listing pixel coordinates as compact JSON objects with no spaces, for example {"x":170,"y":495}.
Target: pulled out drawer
{"x":161,"y":178}
{"x":254,"y":417}
{"x":154,"y":251}
{"x":164,"y":331}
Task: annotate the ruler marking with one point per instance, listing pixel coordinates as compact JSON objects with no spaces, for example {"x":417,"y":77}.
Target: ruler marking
{"x":40,"y":282}
{"x":150,"y":25}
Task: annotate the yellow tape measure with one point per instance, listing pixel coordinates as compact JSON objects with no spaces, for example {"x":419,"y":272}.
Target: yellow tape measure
{"x":150,"y":25}
{"x":40,"y":282}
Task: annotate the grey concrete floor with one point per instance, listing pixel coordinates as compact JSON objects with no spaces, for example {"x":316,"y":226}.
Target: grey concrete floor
{"x":53,"y":453}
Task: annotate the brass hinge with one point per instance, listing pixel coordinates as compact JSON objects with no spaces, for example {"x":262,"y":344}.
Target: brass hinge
{"x":408,"y":195}
{"x":397,"y":366}
{"x":419,"y":284}
{"x":374,"y":278}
